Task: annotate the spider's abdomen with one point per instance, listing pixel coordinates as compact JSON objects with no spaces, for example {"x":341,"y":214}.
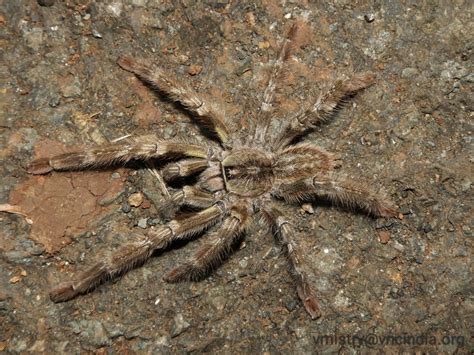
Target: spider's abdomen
{"x":248,"y":172}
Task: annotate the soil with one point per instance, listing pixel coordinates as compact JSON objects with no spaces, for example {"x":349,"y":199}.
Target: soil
{"x":384,"y":284}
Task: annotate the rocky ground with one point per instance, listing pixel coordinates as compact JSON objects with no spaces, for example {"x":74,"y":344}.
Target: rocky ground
{"x":406,"y":282}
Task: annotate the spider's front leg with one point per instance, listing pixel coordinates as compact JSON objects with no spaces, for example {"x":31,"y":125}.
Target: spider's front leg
{"x":208,"y":114}
{"x":184,"y":168}
{"x":190,"y":196}
{"x":283,"y":228}
{"x":266,"y":107}
{"x":136,"y":253}
{"x":323,"y":108}
{"x":339,"y":191}
{"x":140,"y":148}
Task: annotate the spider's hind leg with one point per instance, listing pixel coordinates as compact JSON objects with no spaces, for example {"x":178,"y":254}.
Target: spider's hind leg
{"x":296,"y":260}
{"x":339,"y":191}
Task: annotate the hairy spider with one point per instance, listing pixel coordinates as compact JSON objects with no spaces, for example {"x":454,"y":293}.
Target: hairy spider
{"x":244,"y":177}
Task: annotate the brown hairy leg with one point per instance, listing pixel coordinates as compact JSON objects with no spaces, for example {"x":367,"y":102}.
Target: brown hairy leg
{"x":339,"y":191}
{"x":188,"y":196}
{"x":323,"y":108}
{"x":183,"y":168}
{"x":296,"y":260}
{"x":142,"y":148}
{"x":212,"y":252}
{"x":208,"y":114}
{"x":136,"y":253}
{"x":266,"y":107}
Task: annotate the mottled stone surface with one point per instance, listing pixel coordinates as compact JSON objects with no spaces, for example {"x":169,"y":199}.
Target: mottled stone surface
{"x":410,"y":133}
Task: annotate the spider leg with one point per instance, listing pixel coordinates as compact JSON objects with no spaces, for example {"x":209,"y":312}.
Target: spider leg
{"x":340,"y":191}
{"x":211,"y":179}
{"x":296,"y":261}
{"x":121,"y":152}
{"x":212,"y":252}
{"x":323,"y":108}
{"x":187,"y":196}
{"x":266,"y":107}
{"x":165,"y":82}
{"x":137,"y":253}
{"x":183,"y":168}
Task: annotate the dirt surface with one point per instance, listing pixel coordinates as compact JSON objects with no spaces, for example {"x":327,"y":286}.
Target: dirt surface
{"x":405,"y":282}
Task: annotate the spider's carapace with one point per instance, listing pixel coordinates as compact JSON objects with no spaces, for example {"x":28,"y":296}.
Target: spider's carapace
{"x":248,"y":172}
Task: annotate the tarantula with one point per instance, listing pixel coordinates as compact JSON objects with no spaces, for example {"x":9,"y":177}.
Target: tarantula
{"x":243,"y":177}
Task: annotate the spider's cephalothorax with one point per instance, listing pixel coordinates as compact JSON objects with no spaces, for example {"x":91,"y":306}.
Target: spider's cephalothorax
{"x":249,"y":174}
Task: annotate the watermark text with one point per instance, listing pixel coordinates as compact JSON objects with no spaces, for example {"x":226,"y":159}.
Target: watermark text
{"x":372,"y":340}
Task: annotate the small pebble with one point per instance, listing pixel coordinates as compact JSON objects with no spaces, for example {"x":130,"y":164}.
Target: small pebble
{"x":179,"y":326}
{"x":243,"y":263}
{"x":96,"y":33}
{"x":250,"y":18}
{"x":308,"y":208}
{"x":55,"y":101}
{"x":396,"y":245}
{"x":219,"y":302}
{"x":183,"y":58}
{"x":135,"y":199}
{"x":126,"y":207}
{"x":394,"y":293}
{"x":15,"y":279}
{"x":419,"y":259}
{"x":142,"y":223}
{"x":146,"y":204}
{"x":95,"y":331}
{"x":291,"y":305}
{"x":405,"y":210}
{"x":194,"y":69}
{"x":107,"y":200}
{"x":72,"y":88}
{"x":384,"y":236}
{"x":46,"y":3}
{"x":409,"y":72}
{"x":154,"y":221}
{"x":369,"y":17}
{"x":466,"y":230}
{"x":383,"y":223}
{"x":465,"y":184}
